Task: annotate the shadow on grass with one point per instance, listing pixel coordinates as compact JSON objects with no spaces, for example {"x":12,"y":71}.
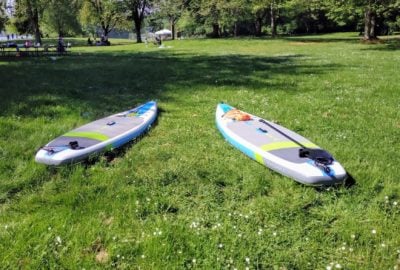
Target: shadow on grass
{"x":322,"y":39}
{"x":385,"y":45}
{"x":96,"y":85}
{"x":104,"y":83}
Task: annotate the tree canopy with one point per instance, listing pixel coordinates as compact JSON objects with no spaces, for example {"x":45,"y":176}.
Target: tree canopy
{"x":214,"y":18}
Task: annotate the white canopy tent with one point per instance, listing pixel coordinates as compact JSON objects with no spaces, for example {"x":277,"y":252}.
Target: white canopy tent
{"x":164,"y":33}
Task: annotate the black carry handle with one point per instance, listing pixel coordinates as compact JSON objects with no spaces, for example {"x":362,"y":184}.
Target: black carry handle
{"x":321,"y":157}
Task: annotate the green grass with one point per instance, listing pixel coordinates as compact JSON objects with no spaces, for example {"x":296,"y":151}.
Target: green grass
{"x":182,"y":197}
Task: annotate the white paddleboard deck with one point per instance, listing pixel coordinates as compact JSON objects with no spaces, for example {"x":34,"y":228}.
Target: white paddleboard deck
{"x":269,"y":147}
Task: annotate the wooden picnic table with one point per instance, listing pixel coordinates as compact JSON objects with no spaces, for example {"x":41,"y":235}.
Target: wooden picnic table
{"x":21,"y":50}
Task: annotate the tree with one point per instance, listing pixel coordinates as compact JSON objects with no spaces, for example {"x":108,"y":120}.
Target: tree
{"x":172,"y":10}
{"x":138,"y":9}
{"x":3,"y":16}
{"x":371,"y":12}
{"x":61,"y":16}
{"x":27,"y":15}
{"x":109,"y":14}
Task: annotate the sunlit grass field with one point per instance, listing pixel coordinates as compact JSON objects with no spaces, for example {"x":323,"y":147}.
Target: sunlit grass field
{"x":182,"y":197}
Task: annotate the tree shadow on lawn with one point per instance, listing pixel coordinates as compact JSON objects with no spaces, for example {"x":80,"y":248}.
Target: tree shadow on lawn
{"x":385,"y":45}
{"x":106,"y":84}
{"x":96,"y":85}
{"x":322,"y":39}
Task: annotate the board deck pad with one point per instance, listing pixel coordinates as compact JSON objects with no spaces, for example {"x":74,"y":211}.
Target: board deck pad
{"x":98,"y":131}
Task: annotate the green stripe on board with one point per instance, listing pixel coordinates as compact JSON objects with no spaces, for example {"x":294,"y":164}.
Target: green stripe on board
{"x":284,"y":145}
{"x":88,"y":135}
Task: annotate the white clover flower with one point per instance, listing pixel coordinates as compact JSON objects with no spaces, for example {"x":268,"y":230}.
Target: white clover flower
{"x":353,"y":236}
{"x":274,"y":233}
{"x":247,"y":259}
{"x":194,"y":260}
{"x":329,"y":267}
{"x":383,"y":245}
{"x":338,"y":266}
{"x":143,"y":256}
{"x":58,"y":240}
{"x":373,"y":231}
{"x":394,"y":203}
{"x":220,"y":245}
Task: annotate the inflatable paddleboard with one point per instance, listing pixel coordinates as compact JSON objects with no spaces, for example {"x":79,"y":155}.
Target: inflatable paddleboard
{"x":278,"y":148}
{"x":98,"y":136}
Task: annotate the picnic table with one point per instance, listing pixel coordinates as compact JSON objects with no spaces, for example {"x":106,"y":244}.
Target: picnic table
{"x":12,"y":49}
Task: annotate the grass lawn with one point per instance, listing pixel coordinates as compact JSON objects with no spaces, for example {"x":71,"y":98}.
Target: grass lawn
{"x":182,"y":197}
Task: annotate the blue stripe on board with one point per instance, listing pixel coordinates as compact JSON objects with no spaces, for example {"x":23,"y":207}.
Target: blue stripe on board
{"x":145,"y":107}
{"x":132,"y":136}
{"x":225,"y":107}
{"x":236,"y":144}
{"x":331,"y":173}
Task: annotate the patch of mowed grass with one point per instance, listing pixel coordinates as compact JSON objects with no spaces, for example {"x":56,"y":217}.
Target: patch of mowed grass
{"x":182,"y":197}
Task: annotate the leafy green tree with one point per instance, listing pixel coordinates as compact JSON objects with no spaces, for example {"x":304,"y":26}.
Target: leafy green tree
{"x":108,"y":14}
{"x":61,"y":16}
{"x":27,"y":16}
{"x":138,"y":9}
{"x":3,"y":17}
{"x":372,"y":14}
{"x":172,"y":10}
{"x":210,"y":10}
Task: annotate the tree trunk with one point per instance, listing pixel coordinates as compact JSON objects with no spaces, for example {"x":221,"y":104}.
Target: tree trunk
{"x":138,"y":26}
{"x":369,"y":24}
{"x":215,"y":32}
{"x":273,"y":22}
{"x":173,"y":28}
{"x":258,"y":25}
{"x":35,"y":20}
{"x":235,"y":30}
{"x":372,"y":31}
